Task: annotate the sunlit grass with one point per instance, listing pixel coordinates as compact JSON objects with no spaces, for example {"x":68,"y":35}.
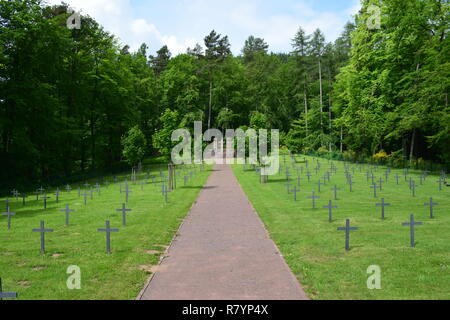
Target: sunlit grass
{"x":314,"y":249}
{"x":135,"y":248}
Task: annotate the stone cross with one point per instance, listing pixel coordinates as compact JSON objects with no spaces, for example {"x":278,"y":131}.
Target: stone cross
{"x":431,"y":205}
{"x":127,"y":191}
{"x":350,"y":184}
{"x":308,"y":174}
{"x":413,"y":188}
{"x":124,"y":211}
{"x":313,"y":197}
{"x":85,"y":194}
{"x":319,"y":183}
{"x":45,"y":198}
{"x":347,"y":230}
{"x":108,"y":231}
{"x":412,"y":225}
{"x":299,"y":179}
{"x":165,"y":192}
{"x":330,"y":208}
{"x":335,"y":190}
{"x":57,"y":192}
{"x":380,"y":182}
{"x":397,"y":177}
{"x":295,"y":191}
{"x":374,"y":187}
{"x":9,"y":214}
{"x":42,"y":231}
{"x":382,"y":205}
{"x":7,"y":204}
{"x":288,"y":187}
{"x":67,"y":211}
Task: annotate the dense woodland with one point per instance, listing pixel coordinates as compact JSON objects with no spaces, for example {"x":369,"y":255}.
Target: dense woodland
{"x":70,"y":99}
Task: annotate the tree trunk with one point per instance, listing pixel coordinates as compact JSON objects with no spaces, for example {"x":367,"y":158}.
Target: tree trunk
{"x":210,"y":102}
{"x":306,"y":112}
{"x":321,"y":95}
{"x":411,"y":151}
{"x":342,"y":138}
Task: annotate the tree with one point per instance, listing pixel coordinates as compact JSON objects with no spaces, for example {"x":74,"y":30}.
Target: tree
{"x":134,"y":146}
{"x":159,"y":63}
{"x":217,"y":49}
{"x":254,"y":46}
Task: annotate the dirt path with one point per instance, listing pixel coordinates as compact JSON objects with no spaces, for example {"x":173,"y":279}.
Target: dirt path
{"x":223,"y":252}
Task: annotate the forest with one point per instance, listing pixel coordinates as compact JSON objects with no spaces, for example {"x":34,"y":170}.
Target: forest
{"x":71,"y":100}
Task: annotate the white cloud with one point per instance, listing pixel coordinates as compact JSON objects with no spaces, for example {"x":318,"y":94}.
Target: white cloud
{"x":191,"y":20}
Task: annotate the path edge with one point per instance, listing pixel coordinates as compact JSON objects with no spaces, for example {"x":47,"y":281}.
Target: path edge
{"x":269,"y":237}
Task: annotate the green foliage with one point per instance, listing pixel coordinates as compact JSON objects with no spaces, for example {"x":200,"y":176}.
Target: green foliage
{"x":134,"y":146}
{"x":162,"y":140}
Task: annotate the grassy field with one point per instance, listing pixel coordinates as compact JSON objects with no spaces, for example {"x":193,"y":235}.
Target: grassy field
{"x":314,"y":249}
{"x":135,"y":248}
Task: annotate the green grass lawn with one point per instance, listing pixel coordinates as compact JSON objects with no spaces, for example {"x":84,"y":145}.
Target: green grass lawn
{"x":314,"y":249}
{"x":135,"y":248}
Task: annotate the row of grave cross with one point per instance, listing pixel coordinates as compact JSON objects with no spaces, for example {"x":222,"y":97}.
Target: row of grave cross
{"x":42,"y":230}
{"x":376,"y":185}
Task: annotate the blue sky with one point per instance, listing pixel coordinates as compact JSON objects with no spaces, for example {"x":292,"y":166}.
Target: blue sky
{"x":180,"y":24}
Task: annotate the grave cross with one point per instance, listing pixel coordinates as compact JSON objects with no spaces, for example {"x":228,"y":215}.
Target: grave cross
{"x":165,"y":192}
{"x":412,"y":225}
{"x":397,"y":177}
{"x":57,"y":192}
{"x":299,"y":179}
{"x":45,"y":198}
{"x":441,"y":181}
{"x":374,"y":187}
{"x":185,"y":178}
{"x":308,"y":174}
{"x":108,"y":231}
{"x":124,"y":211}
{"x":6,"y":295}
{"x":16,"y":194}
{"x":68,"y":188}
{"x":127,"y":191}
{"x":347,"y":230}
{"x":85,"y":194}
{"x":42,"y":231}
{"x":295,"y":191}
{"x":431,"y":205}
{"x":380,"y":181}
{"x":330,"y":208}
{"x":9,"y":214}
{"x":350,"y":184}
{"x":413,"y":188}
{"x":313,"y":197}
{"x":7,"y":204}
{"x":382,"y":205}
{"x":288,"y":187}
{"x":319,"y":183}
{"x":335,"y":190}
{"x":37,"y":193}
{"x":67,"y":211}
{"x":386,"y":176}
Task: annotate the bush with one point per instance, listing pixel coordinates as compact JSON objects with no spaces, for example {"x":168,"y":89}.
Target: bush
{"x":380,"y":157}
